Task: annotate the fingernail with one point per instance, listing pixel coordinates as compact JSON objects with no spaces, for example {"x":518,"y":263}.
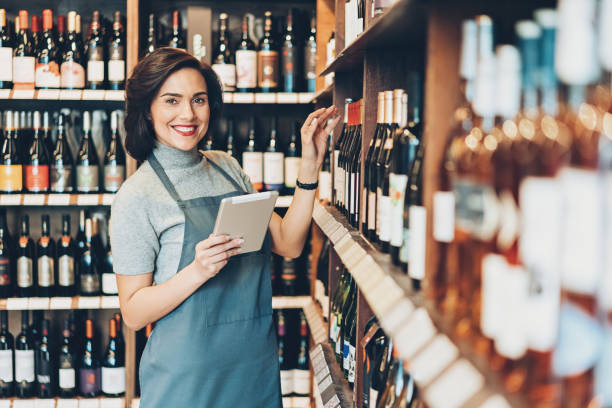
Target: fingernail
{"x":241,"y":241}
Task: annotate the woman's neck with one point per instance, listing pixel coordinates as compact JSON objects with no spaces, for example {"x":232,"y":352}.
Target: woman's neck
{"x":173,"y":158}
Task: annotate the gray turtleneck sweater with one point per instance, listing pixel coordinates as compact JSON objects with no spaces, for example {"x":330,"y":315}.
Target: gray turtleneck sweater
{"x":146,"y":223}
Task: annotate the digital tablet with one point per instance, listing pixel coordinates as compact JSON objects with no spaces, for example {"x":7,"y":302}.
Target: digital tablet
{"x":247,"y":217}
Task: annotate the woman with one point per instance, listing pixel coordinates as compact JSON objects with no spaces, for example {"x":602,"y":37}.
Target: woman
{"x":213,"y":344}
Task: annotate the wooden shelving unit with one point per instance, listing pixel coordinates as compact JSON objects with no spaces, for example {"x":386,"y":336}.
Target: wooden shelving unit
{"x":60,"y":303}
{"x":76,"y":402}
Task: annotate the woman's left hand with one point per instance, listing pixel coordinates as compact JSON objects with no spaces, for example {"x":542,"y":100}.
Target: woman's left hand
{"x":315,"y":133}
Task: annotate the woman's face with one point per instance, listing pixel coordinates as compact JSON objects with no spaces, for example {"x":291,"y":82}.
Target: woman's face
{"x":180,"y":110}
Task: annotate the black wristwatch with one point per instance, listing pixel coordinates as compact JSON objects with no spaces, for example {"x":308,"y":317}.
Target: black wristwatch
{"x":303,"y":186}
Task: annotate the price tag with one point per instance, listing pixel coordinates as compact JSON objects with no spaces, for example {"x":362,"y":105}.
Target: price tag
{"x":34,"y":199}
{"x":287,"y":97}
{"x":438,"y":355}
{"x":397,"y":316}
{"x":10,"y":199}
{"x":228,"y":97}
{"x":44,"y":403}
{"x":58,"y":199}
{"x":322,"y":372}
{"x":17,"y":304}
{"x":496,"y":401}
{"x":265,"y":97}
{"x":89,"y":302}
{"x":60,"y":303}
{"x":327,"y":381}
{"x":70,"y":94}
{"x":5,"y":93}
{"x":88,"y":199}
{"x":111,"y":403}
{"x":49,"y":94}
{"x":93,"y":94}
{"x":23,"y":94}
{"x":38,"y":303}
{"x":25,"y":403}
{"x":114,"y":95}
{"x":246,"y":97}
{"x":455,"y":386}
{"x":316,"y":353}
{"x":110,"y":302}
{"x":89,"y":403}
{"x":107,"y":199}
{"x":305,"y":97}
{"x":412,"y":336}
{"x":67,"y":403}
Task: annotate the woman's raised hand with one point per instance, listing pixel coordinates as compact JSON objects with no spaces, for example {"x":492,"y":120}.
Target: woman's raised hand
{"x":315,"y":132}
{"x":213,"y":253}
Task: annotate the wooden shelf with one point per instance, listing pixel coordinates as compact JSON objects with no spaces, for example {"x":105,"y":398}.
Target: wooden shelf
{"x":296,"y":402}
{"x":290,"y":302}
{"x":60,"y":303}
{"x":316,"y":324}
{"x":270,"y":98}
{"x":441,"y":364}
{"x":330,"y":385}
{"x":324,"y":96}
{"x":403,"y":24}
{"x":76,"y":402}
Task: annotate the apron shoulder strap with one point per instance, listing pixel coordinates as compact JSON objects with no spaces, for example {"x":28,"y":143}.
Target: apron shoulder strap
{"x":223,"y":172}
{"x":159,"y":170}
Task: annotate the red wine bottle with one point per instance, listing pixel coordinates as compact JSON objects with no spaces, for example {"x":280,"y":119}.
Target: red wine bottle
{"x":45,"y":255}
{"x":11,"y":173}
{"x":47,"y":67}
{"x":113,"y":365}
{"x":44,"y":365}
{"x":24,"y":55}
{"x":25,"y":260}
{"x":65,"y":260}
{"x":6,"y":53}
{"x":61,"y":163}
{"x":72,"y":71}
{"x":37,"y":166}
{"x":116,"y":55}
{"x":7,"y":358}
{"x":89,"y":368}
{"x":24,"y":360}
{"x":87,"y":169}
{"x":94,"y":53}
{"x":114,"y":159}
{"x":66,"y":364}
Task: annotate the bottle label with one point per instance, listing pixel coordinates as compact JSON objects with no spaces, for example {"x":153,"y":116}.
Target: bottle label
{"x":267,"y":69}
{"x":336,"y":183}
{"x":364,"y":200}
{"x":477,"y":209}
{"x":61,"y":178}
{"x":351,"y":367}
{"x":24,"y":365}
{"x":288,"y":66}
{"x":352,"y":182}
{"x":341,"y":185}
{"x":373,"y":396}
{"x":95,"y":70}
{"x":416,"y":255}
{"x":494,"y":268}
{"x":345,"y":354}
{"x":301,"y":382}
{"x":67,"y":378}
{"x":114,"y":175}
{"x":339,"y":342}
{"x":89,"y":380}
{"x":273,"y":170}
{"x":43,"y":373}
{"x":325,"y":185}
{"x":46,"y":278}
{"x":47,"y":74}
{"x":90,"y":283}
{"x":292,"y":168}
{"x":347,"y":189}
{"x":252,"y":163}
{"x":444,"y":216}
{"x":378,"y":209}
{"x":23,"y":71}
{"x":37,"y":178}
{"x":5,"y":272}
{"x":404,"y":253}
{"x":72,"y":75}
{"x":384,"y":204}
{"x":512,"y":341}
{"x":310,"y":62}
{"x":6,"y":69}
{"x":109,"y":284}
{"x":25,"y":278}
{"x":113,"y":380}
{"x":397,"y":192}
{"x":286,"y":379}
{"x":116,"y":70}
{"x":6,"y":366}
{"x":11,"y":178}
{"x":65,"y":272}
{"x":87,"y":178}
{"x":371,"y":210}
{"x":227,"y":75}
{"x":246,"y":69}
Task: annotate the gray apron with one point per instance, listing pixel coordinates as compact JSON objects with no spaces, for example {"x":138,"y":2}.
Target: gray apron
{"x":218,"y":348}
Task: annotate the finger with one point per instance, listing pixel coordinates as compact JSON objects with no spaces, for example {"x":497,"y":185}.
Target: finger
{"x":223,"y":256}
{"x":217,"y":249}
{"x":211,"y":241}
{"x":331,"y":125}
{"x":329,"y":112}
{"x":313,"y":115}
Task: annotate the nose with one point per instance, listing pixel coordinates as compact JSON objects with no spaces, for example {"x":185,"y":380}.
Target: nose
{"x":187,"y":112}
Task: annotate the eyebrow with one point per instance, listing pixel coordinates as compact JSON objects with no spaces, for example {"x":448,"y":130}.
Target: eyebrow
{"x":179,"y":95}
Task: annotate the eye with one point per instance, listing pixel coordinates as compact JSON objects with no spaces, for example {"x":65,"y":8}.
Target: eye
{"x":171,"y":101}
{"x":199,"y":100}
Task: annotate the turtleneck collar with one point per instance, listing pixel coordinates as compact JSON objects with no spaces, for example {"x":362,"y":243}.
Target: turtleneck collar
{"x":173,"y":158}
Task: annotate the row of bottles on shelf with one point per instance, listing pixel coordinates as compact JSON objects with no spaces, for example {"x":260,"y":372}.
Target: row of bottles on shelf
{"x":355,"y":15}
{"x":293,"y":347}
{"x":276,"y":64}
{"x":31,"y":162}
{"x":36,"y":54}
{"x":290,"y":277}
{"x":522,"y":215}
{"x":81,"y":265}
{"x":40,"y":363}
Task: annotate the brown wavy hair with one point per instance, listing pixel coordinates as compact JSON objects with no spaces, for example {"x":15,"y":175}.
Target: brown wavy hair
{"x":144,"y":83}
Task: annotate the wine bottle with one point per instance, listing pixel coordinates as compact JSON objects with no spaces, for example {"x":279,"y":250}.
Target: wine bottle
{"x":25,"y":260}
{"x":252,"y":160}
{"x":176,"y":39}
{"x":283,"y":356}
{"x":229,"y":146}
{"x":37,"y":166}
{"x":62,"y":163}
{"x":87,"y":169}
{"x":96,"y":243}
{"x":347,"y":322}
{"x":25,"y":135}
{"x":44,"y":364}
{"x":301,"y":374}
{"x":120,"y":339}
{"x":65,"y":260}
{"x":109,"y":281}
{"x":354,"y":170}
{"x":151,"y":35}
{"x":71,"y":70}
{"x":116,"y":55}
{"x":222,"y":62}
{"x":334,"y":302}
{"x":88,"y":265}
{"x":7,"y":357}
{"x":94,"y":53}
{"x":114,"y":160}
{"x":267,"y":59}
{"x":370,"y":170}
{"x":11,"y":180}
{"x":66,"y":364}
{"x":340,"y":316}
{"x":47,"y":67}
{"x":46,"y":135}
{"x":24,"y":360}
{"x":24,"y":55}
{"x":273,"y":163}
{"x":310,"y":57}
{"x":113,"y":365}
{"x":45,"y":261}
{"x":246,"y":61}
{"x":36,"y":36}
{"x":61,"y":34}
{"x":208,"y":144}
{"x":6,"y":259}
{"x":6,"y":53}
{"x":89,"y":368}
{"x":289,"y":57}
{"x":292,"y":162}
{"x":325,"y":180}
{"x":289,"y":276}
{"x":80,"y":235}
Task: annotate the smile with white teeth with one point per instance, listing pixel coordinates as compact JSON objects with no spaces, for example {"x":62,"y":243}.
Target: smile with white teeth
{"x":185,"y":129}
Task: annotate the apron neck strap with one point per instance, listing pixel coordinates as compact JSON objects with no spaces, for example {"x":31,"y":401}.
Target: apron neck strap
{"x":159,"y":170}
{"x":224,"y":173}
